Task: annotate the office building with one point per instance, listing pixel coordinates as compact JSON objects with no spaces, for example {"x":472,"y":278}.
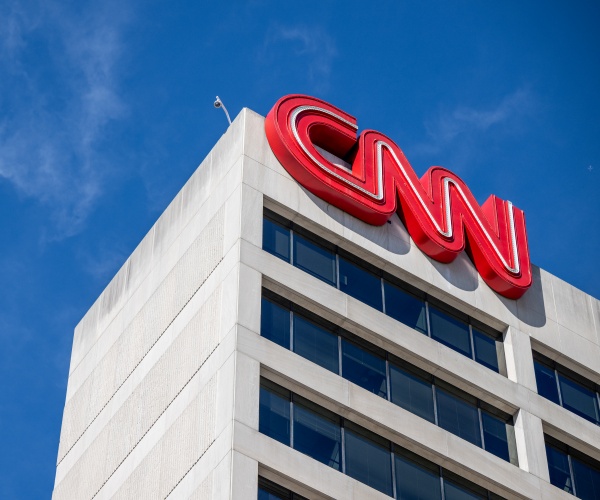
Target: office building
{"x":261,"y":343}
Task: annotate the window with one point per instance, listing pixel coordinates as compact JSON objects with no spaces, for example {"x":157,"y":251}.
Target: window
{"x":360,"y":283}
{"x":458,"y":416}
{"x":315,"y":343}
{"x":358,"y":453}
{"x":405,"y":307}
{"x":317,"y":433}
{"x":276,"y":239}
{"x":572,"y":471}
{"x":315,"y":259}
{"x":368,"y":458}
{"x":412,"y":392}
{"x":389,"y":377}
{"x":274,"y":412}
{"x":275,"y":323}
{"x":381,"y":291}
{"x":416,"y":478}
{"x":450,"y":331}
{"x":566,"y":388}
{"x":268,"y":490}
{"x":364,"y":368}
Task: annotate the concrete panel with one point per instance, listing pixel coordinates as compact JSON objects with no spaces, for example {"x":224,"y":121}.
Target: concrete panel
{"x":519,"y":362}
{"x":573,"y":310}
{"x":531,"y":450}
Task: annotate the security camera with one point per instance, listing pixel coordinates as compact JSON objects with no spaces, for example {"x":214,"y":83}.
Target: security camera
{"x":219,"y":104}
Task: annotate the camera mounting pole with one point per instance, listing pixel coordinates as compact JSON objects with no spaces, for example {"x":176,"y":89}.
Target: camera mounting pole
{"x":219,"y":104}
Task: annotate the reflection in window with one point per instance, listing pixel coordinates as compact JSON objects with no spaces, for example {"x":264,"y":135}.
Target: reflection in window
{"x":572,"y":471}
{"x":454,"y":491}
{"x":360,"y":283}
{"x":317,"y":434}
{"x":546,"y":382}
{"x":316,"y":344}
{"x":587,"y":479}
{"x":274,"y":413}
{"x":495,"y":435}
{"x":385,"y":293}
{"x":416,"y":478}
{"x":275,"y":323}
{"x":390,"y":378}
{"x":458,"y":416}
{"x":368,"y":459}
{"x":558,"y":465}
{"x":359,"y":453}
{"x":405,"y":307}
{"x":485,"y":350}
{"x":276,"y":239}
{"x":268,"y":490}
{"x":450,"y":331}
{"x":566,"y":388}
{"x":314,"y":259}
{"x":412,"y":393}
{"x":578,"y":399}
{"x":364,"y":368}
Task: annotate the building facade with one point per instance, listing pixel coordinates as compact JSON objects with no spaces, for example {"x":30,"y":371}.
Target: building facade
{"x":260,"y":343}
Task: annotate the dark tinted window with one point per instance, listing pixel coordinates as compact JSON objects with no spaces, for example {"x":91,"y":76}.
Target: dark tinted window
{"x":274,"y":419}
{"x":360,"y":284}
{"x":455,"y":491}
{"x":317,"y":434}
{"x":275,"y":323}
{"x":368,"y":459}
{"x":314,"y":259}
{"x":578,"y":398}
{"x":316,"y":344}
{"x":276,"y":239}
{"x":363,"y":368}
{"x":268,"y":494}
{"x":494,"y":435}
{"x":411,"y":393}
{"x":546,"y":382}
{"x":587,"y":480}
{"x":415,"y":481}
{"x":485,"y":350}
{"x":405,"y":307}
{"x":450,"y":331}
{"x":558,"y":465}
{"x":267,"y":490}
{"x":458,"y":416}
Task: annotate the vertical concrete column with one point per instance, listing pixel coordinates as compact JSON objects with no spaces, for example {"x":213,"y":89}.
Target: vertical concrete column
{"x":244,"y":477}
{"x":531,"y":450}
{"x":519,"y":358}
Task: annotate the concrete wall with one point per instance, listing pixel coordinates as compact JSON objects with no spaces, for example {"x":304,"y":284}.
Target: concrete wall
{"x":150,"y":392}
{"x":164,"y":382}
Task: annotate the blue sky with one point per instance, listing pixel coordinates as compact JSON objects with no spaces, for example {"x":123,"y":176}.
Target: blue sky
{"x":106,"y":110}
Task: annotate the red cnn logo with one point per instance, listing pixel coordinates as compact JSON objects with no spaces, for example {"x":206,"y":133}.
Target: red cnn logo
{"x":375,"y":180}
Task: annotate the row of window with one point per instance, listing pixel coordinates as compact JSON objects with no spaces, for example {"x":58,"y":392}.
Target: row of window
{"x":567,"y":389}
{"x":572,"y":471}
{"x":355,"y":451}
{"x":415,"y":309}
{"x":381,"y":291}
{"x":387,"y":376}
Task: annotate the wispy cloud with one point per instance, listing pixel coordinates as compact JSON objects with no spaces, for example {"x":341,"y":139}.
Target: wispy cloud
{"x":309,"y":48}
{"x":59,"y":94}
{"x":464,"y":125}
